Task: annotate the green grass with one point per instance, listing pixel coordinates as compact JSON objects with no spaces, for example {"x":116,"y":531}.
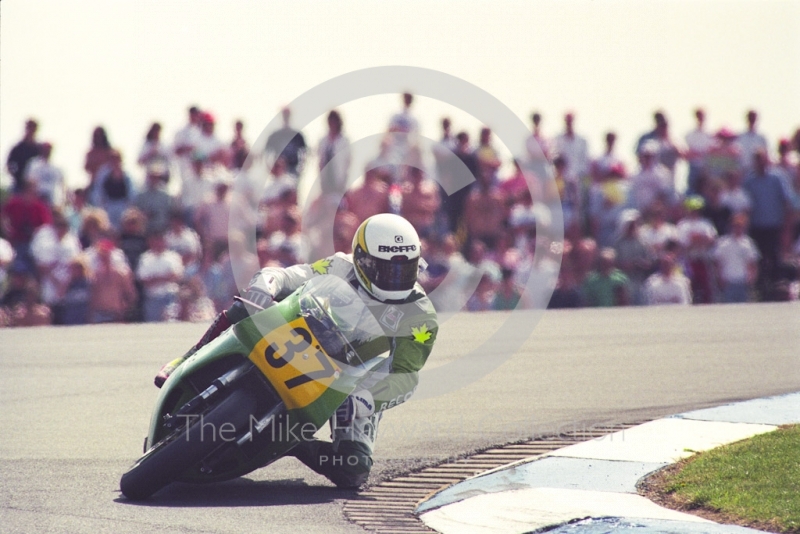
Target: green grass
{"x":755,"y":480}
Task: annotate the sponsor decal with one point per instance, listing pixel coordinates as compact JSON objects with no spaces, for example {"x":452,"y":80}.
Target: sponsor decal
{"x":391,"y":318}
{"x":397,"y":248}
{"x":398,"y":239}
{"x":421,"y":333}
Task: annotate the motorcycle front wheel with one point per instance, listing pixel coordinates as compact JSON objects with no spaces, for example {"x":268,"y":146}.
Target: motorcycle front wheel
{"x":187,"y":447}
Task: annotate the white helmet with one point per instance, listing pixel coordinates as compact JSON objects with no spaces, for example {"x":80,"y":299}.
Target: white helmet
{"x":386,"y":252}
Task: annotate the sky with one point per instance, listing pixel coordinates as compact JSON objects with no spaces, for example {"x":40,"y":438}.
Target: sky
{"x":124,"y":64}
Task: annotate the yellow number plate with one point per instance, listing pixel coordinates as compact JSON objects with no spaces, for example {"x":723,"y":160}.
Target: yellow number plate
{"x":295,"y":364}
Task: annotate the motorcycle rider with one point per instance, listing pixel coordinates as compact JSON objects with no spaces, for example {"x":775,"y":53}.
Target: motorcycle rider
{"x":383,"y":270}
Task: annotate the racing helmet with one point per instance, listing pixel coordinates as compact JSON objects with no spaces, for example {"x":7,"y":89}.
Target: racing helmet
{"x":386,"y":253}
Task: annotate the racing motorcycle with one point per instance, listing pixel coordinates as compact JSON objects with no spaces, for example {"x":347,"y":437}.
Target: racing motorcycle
{"x":252,"y":394}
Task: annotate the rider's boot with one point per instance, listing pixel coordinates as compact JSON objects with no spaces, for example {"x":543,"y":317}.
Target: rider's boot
{"x":220,"y":324}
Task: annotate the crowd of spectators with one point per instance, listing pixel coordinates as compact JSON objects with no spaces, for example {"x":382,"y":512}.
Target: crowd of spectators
{"x":114,"y":251}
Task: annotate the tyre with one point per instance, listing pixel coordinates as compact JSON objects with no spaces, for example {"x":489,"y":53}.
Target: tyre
{"x":162,"y":464}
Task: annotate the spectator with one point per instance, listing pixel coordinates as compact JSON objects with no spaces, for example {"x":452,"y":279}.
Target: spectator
{"x":606,"y":201}
{"x":715,"y":210}
{"x":699,"y":142}
{"x":667,"y":154}
{"x":460,"y":182}
{"x":159,"y":270}
{"x":404,"y":122}
{"x":485,"y":211}
{"x":185,"y":241}
{"x":212,"y":218}
{"x":30,"y":311}
{"x":570,"y":196}
{"x":517,"y":187}
{"x":49,"y":180}
{"x":345,"y":225}
{"x":208,"y":163}
{"x":154,"y":155}
{"x":334,"y":157}
{"x":192,"y":305}
{"x":696,"y":234}
{"x":484,"y":296}
{"x":486,"y":155}
{"x":772,"y":198}
{"x":668,"y":285}
{"x":722,"y":158}
{"x":606,"y":286}
{"x":601,"y":167}
{"x":737,"y":260}
{"x":53,"y":247}
{"x":288,"y":245}
{"x":658,"y":231}
{"x":574,"y":149}
{"x":289,"y":144}
{"x":653,"y":182}
{"x":567,"y":293}
{"x":443,"y":152}
{"x":537,"y":145}
{"x":183,"y":148}
{"x":112,"y":294}
{"x":217,"y":276}
{"x":21,"y":216}
{"x":133,"y":243}
{"x":749,"y":142}
{"x":239,"y":148}
{"x":22,"y":153}
{"x":420,"y":202}
{"x":634,"y":257}
{"x":6,"y":257}
{"x":208,"y":149}
{"x":371,"y":198}
{"x":734,"y":197}
{"x":76,"y":209}
{"x":14,"y":291}
{"x":507,"y":296}
{"x":76,"y":295}
{"x":95,"y":226}
{"x":99,"y":156}
{"x":113,"y":190}
{"x":154,"y":202}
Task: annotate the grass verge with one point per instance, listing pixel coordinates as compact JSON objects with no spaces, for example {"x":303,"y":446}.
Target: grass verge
{"x":755,"y":483}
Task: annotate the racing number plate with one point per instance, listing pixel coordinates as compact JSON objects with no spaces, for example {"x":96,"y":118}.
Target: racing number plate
{"x":294,"y":363}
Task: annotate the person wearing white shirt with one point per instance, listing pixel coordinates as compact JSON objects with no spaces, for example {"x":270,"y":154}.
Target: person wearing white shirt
{"x":53,"y":248}
{"x":698,"y":142}
{"x":48,"y":178}
{"x":159,"y":270}
{"x":537,"y":145}
{"x":652,"y":183}
{"x":737,"y":257}
{"x":750,"y":142}
{"x":574,"y":149}
{"x":334,"y":156}
{"x":668,"y":285}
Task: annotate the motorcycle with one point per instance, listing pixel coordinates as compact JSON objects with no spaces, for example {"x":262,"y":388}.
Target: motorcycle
{"x":255,"y":392}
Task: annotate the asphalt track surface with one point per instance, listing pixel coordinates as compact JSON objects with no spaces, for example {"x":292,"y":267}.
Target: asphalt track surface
{"x":75,"y":404}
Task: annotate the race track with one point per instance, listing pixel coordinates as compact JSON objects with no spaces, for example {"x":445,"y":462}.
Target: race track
{"x":75,"y":405}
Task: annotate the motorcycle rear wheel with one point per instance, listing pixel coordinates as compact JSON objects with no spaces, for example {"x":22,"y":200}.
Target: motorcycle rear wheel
{"x":187,"y":447}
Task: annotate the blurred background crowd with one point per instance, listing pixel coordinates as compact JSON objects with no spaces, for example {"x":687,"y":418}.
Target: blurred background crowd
{"x":704,"y":218}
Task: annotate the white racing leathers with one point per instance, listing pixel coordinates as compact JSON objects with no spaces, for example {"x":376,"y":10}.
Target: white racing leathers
{"x":410,"y":327}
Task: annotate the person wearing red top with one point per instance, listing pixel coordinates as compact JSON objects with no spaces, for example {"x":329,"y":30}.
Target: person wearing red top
{"x":22,"y":214}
